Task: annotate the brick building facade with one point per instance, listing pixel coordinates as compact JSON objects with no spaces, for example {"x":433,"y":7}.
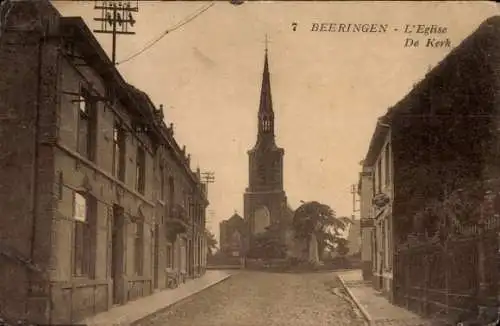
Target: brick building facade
{"x":100,"y":204}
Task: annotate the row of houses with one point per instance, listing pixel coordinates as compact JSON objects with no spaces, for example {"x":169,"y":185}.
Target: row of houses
{"x":99,"y":203}
{"x":429,"y":186}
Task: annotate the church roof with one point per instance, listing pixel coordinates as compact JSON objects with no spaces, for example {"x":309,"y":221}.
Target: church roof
{"x":235,"y":218}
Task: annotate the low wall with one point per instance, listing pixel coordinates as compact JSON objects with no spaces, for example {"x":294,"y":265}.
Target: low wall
{"x":219,"y":260}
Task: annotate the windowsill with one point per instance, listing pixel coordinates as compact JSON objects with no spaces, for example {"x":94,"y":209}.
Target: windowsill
{"x":81,"y":281}
{"x":138,"y":278}
{"x":94,"y":166}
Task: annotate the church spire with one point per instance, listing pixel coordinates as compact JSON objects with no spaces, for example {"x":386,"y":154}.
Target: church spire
{"x":266,"y":113}
{"x":266,"y":103}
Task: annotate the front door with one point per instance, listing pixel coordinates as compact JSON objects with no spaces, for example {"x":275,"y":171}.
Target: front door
{"x":117,"y":251}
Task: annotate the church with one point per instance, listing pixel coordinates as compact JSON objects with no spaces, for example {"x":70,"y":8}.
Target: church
{"x":265,"y":201}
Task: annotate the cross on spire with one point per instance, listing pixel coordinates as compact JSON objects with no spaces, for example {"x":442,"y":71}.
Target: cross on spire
{"x":266,"y":41}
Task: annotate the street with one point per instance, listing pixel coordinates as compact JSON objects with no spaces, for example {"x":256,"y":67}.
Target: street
{"x":264,"y":298}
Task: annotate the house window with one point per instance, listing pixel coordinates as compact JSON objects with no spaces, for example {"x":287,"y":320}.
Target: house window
{"x":374,"y":184}
{"x":86,"y":125}
{"x":162,"y":182}
{"x":141,"y":170}
{"x":170,"y":256}
{"x":60,"y":185}
{"x":389,"y":242}
{"x":119,"y":151}
{"x":387,"y":164}
{"x":379,"y":175}
{"x":139,"y":247}
{"x":191,"y":208}
{"x":84,"y":215}
{"x":171,"y":194}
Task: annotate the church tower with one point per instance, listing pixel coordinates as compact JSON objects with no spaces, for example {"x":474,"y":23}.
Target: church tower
{"x":265,"y":200}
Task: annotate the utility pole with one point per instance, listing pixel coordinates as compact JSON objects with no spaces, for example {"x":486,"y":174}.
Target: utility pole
{"x":116,"y":16}
{"x":211,"y":214}
{"x":207,"y":177}
{"x":354,"y":192}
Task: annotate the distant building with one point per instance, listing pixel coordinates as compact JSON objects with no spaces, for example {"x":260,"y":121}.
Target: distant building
{"x":100,"y":204}
{"x":232,"y":233}
{"x":354,"y":237}
{"x":265,"y":201}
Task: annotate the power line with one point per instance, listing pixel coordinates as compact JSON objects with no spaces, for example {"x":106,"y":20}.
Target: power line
{"x":167,"y":31}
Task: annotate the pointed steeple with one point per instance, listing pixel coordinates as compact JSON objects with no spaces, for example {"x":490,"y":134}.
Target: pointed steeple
{"x":266,"y":102}
{"x":266,"y":113}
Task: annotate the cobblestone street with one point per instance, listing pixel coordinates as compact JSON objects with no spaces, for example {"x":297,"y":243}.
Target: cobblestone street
{"x":259,"y":298}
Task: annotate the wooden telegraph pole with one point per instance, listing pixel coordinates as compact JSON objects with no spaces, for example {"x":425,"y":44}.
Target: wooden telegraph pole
{"x":354,"y":192}
{"x":116,"y":17}
{"x":207,"y":177}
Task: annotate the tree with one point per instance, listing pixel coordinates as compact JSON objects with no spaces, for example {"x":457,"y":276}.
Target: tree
{"x":314,"y":218}
{"x":211,"y":242}
{"x":342,"y":247}
{"x":268,"y":244}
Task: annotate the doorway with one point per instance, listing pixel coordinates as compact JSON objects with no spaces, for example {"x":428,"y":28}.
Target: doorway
{"x":117,"y":252}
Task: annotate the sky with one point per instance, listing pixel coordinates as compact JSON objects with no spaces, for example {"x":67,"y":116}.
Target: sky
{"x":328,"y":87}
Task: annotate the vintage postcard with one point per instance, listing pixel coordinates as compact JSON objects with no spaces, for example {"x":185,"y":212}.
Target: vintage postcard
{"x":247,"y":163}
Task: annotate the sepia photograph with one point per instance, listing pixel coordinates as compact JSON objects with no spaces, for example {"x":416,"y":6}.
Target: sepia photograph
{"x":249,"y":163}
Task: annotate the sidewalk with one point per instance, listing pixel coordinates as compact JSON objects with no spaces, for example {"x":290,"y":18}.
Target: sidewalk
{"x":376,"y":309}
{"x":143,"y":307}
